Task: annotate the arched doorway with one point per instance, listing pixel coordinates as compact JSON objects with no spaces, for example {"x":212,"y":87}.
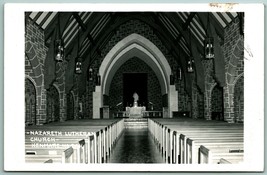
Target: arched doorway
{"x":239,"y":100}
{"x":131,"y":46}
{"x":70,"y":106}
{"x":52,"y":109}
{"x":135,"y":76}
{"x":30,"y":103}
{"x":217,"y":103}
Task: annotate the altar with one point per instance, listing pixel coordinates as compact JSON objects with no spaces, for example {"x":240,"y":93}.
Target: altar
{"x":135,"y":111}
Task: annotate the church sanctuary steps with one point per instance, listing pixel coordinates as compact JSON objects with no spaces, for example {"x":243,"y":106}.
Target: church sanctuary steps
{"x":135,"y":123}
{"x":89,"y":141}
{"x":172,"y":137}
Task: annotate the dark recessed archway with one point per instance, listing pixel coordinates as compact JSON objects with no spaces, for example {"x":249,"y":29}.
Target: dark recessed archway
{"x":134,"y":83}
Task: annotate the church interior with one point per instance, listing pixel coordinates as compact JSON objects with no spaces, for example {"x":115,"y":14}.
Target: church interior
{"x":134,"y":87}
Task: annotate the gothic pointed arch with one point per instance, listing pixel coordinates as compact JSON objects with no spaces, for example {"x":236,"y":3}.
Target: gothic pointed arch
{"x":53,"y":105}
{"x":30,"y":102}
{"x":138,"y":46}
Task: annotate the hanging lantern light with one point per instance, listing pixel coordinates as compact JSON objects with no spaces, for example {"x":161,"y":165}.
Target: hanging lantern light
{"x":209,"y":48}
{"x":209,"y":44}
{"x":59,"y":47}
{"x":78,"y":65}
{"x":190,"y":65}
{"x":90,"y":74}
{"x":78,"y":60}
{"x":191,"y":59}
{"x":59,"y":50}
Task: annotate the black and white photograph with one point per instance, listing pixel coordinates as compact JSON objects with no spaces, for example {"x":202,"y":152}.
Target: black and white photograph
{"x":163,"y":88}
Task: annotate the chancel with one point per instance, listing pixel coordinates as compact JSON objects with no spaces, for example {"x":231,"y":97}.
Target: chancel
{"x":136,"y":110}
{"x":134,"y":87}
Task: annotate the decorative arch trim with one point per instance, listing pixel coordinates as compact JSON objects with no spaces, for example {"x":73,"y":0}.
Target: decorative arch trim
{"x":139,"y":46}
{"x":135,"y":45}
{"x":34,"y":84}
{"x":238,"y":77}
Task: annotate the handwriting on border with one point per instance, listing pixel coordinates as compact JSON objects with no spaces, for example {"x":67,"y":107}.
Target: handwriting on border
{"x":223,"y":6}
{"x":248,"y":51}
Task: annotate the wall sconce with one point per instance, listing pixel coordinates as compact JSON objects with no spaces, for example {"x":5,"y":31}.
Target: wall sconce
{"x":59,"y":50}
{"x":209,"y":48}
{"x":90,"y":74}
{"x":98,"y":80}
{"x":190,"y":65}
{"x":78,"y":65}
{"x":179,"y":74}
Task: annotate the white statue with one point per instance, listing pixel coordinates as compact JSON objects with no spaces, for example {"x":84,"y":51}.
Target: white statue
{"x":136,"y":97}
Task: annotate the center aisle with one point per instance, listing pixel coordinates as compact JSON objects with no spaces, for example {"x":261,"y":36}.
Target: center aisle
{"x":135,"y":146}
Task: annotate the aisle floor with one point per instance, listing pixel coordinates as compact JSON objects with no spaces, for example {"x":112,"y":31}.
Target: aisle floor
{"x":135,"y":146}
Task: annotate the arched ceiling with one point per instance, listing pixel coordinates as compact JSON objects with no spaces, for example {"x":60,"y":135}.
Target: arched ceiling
{"x":92,"y":30}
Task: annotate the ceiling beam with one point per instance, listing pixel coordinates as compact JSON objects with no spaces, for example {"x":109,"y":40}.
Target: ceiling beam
{"x":45,"y":18}
{"x":84,"y":28}
{"x":89,"y":26}
{"x":195,"y":52}
{"x":79,"y":20}
{"x":188,"y":21}
{"x":37,"y":16}
{"x":64,"y":18}
{"x":175,"y":21}
{"x":203,"y":16}
{"x":101,"y":37}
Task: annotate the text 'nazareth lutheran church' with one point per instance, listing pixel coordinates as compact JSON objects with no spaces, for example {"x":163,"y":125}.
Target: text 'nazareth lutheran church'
{"x":169,"y":84}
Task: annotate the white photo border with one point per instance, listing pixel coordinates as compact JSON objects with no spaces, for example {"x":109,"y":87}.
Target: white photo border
{"x":14,"y":74}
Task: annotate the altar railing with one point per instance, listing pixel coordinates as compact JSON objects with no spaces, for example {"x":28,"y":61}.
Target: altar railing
{"x":152,"y":114}
{"x":146,"y":114}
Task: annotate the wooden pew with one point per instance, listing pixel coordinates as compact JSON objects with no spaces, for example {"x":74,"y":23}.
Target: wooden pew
{"x":43,"y":158}
{"x":194,"y":131}
{"x":167,"y":139}
{"x":178,"y":148}
{"x":215,"y":155}
{"x":194,"y":145}
{"x":161,"y":123}
{"x":62,"y":143}
{"x":222,"y":134}
{"x":103,"y":137}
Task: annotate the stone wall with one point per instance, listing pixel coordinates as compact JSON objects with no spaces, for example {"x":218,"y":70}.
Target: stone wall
{"x":234,"y":57}
{"x":183,"y":98}
{"x":217,"y":99}
{"x":239,"y":100}
{"x":36,"y":52}
{"x":233,"y":53}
